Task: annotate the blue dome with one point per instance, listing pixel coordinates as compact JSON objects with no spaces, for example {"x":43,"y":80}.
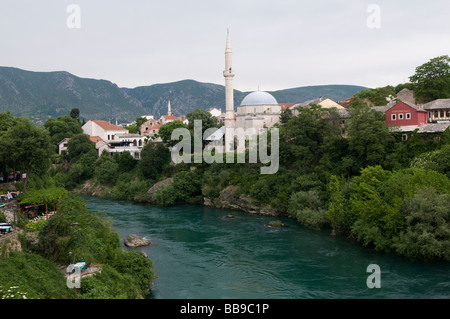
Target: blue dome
{"x":259,"y":98}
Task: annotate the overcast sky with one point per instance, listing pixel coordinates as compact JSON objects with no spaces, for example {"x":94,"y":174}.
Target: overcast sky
{"x":276,"y":44}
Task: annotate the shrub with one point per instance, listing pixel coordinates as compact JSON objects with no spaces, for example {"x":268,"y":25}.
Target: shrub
{"x":307,"y":208}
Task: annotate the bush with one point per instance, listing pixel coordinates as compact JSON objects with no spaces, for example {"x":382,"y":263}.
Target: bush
{"x":427,"y":233}
{"x":307,"y":208}
{"x":106,"y":171}
{"x":31,"y":276}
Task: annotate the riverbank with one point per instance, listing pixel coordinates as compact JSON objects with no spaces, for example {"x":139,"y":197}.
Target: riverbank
{"x":71,"y":235}
{"x":230,"y":198}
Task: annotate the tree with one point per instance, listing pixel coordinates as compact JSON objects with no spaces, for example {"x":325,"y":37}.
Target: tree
{"x":165,"y":132}
{"x":125,"y":161}
{"x":106,"y":170}
{"x":207,"y":119}
{"x":432,"y":79}
{"x":75,"y":113}
{"x":139,"y":122}
{"x":78,"y":145}
{"x":62,"y":127}
{"x":369,"y":139}
{"x":26,"y":147}
{"x":427,"y":233}
{"x":154,"y":157}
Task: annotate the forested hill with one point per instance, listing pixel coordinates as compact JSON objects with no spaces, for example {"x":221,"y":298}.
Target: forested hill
{"x":40,"y":95}
{"x":187,"y":95}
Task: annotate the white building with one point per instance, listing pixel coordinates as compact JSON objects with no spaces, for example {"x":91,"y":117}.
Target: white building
{"x":113,"y":138}
{"x":105,"y":130}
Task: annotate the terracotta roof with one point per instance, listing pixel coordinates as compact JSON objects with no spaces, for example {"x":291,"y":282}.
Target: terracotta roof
{"x":95,"y":139}
{"x":286,"y":105}
{"x":170,"y":117}
{"x":154,"y":127}
{"x":108,"y":126}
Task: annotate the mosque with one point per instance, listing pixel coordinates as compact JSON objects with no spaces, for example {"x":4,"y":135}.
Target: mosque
{"x":257,"y":110}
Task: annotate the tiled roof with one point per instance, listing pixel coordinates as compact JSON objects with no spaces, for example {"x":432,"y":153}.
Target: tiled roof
{"x":170,"y":117}
{"x":437,"y":104}
{"x":95,"y":139}
{"x":108,"y":126}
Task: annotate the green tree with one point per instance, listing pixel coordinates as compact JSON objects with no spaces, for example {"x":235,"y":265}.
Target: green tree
{"x":308,"y":209}
{"x":207,"y":119}
{"x":432,"y":79}
{"x":427,"y":233}
{"x":62,"y":127}
{"x":369,"y":141}
{"x":75,"y":113}
{"x":26,"y":147}
{"x":154,"y":158}
{"x":106,"y":169}
{"x":78,"y":145}
{"x":165,"y":132}
{"x":125,"y":161}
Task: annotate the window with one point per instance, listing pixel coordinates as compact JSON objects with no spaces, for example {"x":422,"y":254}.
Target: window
{"x":442,"y":114}
{"x":394,"y":117}
{"x":400,"y":116}
{"x":408,"y":116}
{"x":436,"y":114}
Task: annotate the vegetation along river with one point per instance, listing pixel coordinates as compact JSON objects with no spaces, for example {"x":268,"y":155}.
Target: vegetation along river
{"x":199,"y":253}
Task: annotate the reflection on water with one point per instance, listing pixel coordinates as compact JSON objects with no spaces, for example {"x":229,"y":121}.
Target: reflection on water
{"x":198,"y":253}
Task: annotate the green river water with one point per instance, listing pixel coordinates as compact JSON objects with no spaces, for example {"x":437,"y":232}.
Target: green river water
{"x":198,"y":253}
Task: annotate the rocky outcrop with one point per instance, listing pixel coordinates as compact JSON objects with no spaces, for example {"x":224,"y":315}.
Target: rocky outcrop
{"x":134,"y":241}
{"x":10,"y":243}
{"x":92,"y":188}
{"x":230,"y":198}
{"x":157,"y":186}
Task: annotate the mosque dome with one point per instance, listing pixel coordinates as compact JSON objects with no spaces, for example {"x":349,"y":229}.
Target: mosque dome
{"x":259,"y":98}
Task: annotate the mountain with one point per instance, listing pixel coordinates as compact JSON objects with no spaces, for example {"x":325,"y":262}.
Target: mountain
{"x":187,"y":95}
{"x":40,"y":95}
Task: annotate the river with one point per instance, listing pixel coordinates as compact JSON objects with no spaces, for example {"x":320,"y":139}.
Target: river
{"x":198,"y":253}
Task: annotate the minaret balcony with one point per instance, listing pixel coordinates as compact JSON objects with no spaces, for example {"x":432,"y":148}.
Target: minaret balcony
{"x":227,"y":73}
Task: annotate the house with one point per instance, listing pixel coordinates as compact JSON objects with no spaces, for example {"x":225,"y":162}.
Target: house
{"x":168,"y":118}
{"x":132,"y":143}
{"x":438,"y":111}
{"x":103,"y":129}
{"x":406,"y":116}
{"x":215,"y":112}
{"x":325,"y":103}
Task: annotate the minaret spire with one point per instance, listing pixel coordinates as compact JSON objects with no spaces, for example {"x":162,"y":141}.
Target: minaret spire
{"x":169,"y":111}
{"x":229,"y":75}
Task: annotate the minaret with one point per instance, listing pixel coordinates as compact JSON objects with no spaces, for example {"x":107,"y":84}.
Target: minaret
{"x":229,"y":75}
{"x":169,"y":111}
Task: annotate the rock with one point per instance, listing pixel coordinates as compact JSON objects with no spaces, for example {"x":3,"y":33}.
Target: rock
{"x":276,"y":223}
{"x":232,"y":198}
{"x":134,"y":241}
{"x":159,"y":185}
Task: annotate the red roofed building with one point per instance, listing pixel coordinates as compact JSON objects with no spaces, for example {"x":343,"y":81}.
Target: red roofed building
{"x":406,"y":116}
{"x":168,"y":118}
{"x":103,"y":129}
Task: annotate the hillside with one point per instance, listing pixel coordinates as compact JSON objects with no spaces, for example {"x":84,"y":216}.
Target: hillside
{"x":185,"y":96}
{"x":40,"y":95}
